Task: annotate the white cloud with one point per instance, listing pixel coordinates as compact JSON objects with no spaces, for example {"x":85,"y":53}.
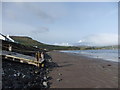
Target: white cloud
{"x":62,"y":44}
{"x":100,"y":39}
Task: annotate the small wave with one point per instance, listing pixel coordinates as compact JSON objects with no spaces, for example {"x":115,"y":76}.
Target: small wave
{"x":110,"y":55}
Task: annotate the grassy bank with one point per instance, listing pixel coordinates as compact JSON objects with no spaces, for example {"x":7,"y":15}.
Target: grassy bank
{"x":27,"y":41}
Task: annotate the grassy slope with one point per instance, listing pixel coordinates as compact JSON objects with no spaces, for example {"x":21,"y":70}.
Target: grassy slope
{"x":26,"y":41}
{"x":30,"y":42}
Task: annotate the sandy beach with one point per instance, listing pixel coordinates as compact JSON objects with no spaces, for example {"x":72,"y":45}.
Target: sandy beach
{"x":82,"y":72}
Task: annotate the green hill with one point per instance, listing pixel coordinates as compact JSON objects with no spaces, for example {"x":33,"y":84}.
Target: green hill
{"x":27,"y":41}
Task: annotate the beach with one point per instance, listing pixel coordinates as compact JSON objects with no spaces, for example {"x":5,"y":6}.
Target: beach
{"x":75,"y":71}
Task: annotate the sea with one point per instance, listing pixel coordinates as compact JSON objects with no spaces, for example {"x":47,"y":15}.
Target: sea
{"x":104,"y":54}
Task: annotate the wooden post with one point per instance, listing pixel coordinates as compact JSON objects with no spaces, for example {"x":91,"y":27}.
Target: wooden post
{"x":38,"y":59}
{"x":10,"y":48}
{"x":37,"y":55}
{"x":42,"y":56}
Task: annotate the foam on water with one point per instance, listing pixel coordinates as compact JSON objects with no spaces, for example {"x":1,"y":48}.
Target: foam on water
{"x":110,"y":55}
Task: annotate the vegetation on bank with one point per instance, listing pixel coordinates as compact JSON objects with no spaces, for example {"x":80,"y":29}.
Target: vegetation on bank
{"x":27,"y":41}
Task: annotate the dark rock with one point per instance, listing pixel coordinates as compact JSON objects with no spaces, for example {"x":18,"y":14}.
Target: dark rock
{"x":108,"y":65}
{"x":103,"y":66}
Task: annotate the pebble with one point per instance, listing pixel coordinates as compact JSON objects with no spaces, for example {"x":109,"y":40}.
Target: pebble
{"x":18,"y":74}
{"x":3,"y":72}
{"x":47,"y":72}
{"x":45,"y":84}
{"x":49,"y":60}
{"x":36,"y":72}
{"x":23,"y":76}
{"x":15,"y":75}
{"x":108,"y":65}
{"x":59,"y":79}
{"x":59,"y":74}
{"x":45,"y":78}
{"x":103,"y":66}
{"x":47,"y":69}
{"x":48,"y":76}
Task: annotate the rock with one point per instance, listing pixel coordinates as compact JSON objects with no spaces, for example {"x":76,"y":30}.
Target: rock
{"x":103,"y":66}
{"x":15,"y":75}
{"x":49,"y":60}
{"x":48,"y":76}
{"x":29,"y":84}
{"x":45,"y":84}
{"x":3,"y":72}
{"x":47,"y":69}
{"x":47,"y":72}
{"x":36,"y":78}
{"x":23,"y":76}
{"x":108,"y":65}
{"x":18,"y":74}
{"x":45,"y":78}
{"x":59,"y":79}
{"x":36,"y":72}
{"x":59,"y":74}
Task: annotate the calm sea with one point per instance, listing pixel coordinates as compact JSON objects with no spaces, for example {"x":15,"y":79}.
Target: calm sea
{"x":110,"y":55}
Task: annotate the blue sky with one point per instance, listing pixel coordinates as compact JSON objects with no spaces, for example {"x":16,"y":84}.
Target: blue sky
{"x":62,"y":23}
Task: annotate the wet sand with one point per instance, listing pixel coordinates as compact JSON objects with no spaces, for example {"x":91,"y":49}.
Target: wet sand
{"x":82,"y":72}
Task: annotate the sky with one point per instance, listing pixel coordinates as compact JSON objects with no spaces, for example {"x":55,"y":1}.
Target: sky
{"x":62,"y":23}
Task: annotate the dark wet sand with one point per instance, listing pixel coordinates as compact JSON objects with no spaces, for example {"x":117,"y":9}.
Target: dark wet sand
{"x":82,"y":72}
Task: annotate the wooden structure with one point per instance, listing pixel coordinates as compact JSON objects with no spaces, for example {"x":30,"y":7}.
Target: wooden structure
{"x":13,"y":56}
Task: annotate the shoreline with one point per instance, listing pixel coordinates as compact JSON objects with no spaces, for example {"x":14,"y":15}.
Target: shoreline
{"x":93,"y":58}
{"x":89,"y":56}
{"x":78,"y":71}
